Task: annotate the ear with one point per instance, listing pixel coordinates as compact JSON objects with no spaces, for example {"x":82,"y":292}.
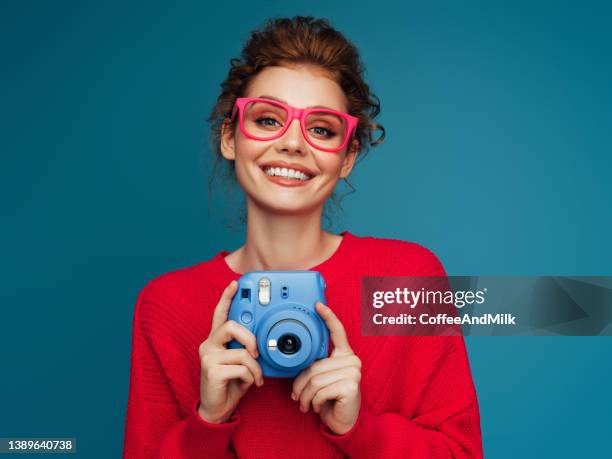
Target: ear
{"x":228,"y":147}
{"x":349,"y":159}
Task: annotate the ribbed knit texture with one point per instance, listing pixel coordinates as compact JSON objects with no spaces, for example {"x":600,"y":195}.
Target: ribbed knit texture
{"x":418,"y":398}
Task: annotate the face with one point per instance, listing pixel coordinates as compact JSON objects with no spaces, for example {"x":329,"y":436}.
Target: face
{"x":300,"y":87}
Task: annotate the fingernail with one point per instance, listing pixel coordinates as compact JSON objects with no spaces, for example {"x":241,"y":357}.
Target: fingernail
{"x":293,"y":397}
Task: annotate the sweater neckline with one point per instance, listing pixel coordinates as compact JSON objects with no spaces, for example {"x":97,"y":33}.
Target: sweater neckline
{"x":331,"y":269}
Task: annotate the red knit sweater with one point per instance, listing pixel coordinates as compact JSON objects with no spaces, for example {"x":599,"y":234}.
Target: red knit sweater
{"x":418,"y":398}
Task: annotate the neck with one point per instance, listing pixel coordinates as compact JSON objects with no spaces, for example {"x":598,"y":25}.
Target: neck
{"x":284,"y":242}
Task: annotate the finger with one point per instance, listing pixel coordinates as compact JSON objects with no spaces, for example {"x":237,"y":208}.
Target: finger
{"x":225,"y":373}
{"x":233,"y":330}
{"x":222,"y":308}
{"x":341,"y":391}
{"x":322,"y":366}
{"x":336,"y":329}
{"x":317,"y":382}
{"x":240,"y":357}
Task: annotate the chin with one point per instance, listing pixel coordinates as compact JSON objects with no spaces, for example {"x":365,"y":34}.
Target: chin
{"x":286,"y":206}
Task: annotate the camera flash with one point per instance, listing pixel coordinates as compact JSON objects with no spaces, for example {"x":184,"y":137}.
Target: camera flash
{"x":264,"y":291}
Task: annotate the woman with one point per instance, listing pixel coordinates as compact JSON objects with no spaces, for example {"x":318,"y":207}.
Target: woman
{"x":372,"y":397}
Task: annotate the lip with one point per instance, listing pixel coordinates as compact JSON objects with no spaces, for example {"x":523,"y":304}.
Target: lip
{"x":285,"y":182}
{"x":295,"y":166}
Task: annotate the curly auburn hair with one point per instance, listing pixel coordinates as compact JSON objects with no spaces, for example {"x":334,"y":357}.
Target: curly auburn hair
{"x":294,"y":41}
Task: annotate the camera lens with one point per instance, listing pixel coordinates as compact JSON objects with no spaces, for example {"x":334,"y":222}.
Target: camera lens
{"x":289,"y":344}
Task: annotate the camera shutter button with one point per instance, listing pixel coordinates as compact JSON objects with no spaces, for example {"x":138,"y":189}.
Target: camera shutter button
{"x":246,"y":317}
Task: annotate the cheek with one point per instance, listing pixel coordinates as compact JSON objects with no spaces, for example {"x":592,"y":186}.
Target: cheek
{"x":247,"y":149}
{"x":329,"y":163}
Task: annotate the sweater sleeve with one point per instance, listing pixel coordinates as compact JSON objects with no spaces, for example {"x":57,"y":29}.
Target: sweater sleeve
{"x":154,"y":426}
{"x":446,"y":423}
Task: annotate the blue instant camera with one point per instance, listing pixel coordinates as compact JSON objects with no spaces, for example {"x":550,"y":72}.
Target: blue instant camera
{"x":278,"y":307}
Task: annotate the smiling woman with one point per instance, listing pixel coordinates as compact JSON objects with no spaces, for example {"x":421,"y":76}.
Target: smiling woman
{"x":293,"y":116}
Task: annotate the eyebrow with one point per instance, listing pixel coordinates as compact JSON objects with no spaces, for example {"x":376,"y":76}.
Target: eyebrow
{"x":264,"y":96}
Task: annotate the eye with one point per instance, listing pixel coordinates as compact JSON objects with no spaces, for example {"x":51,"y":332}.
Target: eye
{"x":322,"y":132}
{"x":267,"y":122}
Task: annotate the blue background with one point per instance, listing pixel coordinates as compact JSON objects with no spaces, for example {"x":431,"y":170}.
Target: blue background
{"x":497,"y":158}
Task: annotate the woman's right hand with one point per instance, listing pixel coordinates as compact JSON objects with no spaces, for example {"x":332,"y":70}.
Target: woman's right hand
{"x":226,"y":374}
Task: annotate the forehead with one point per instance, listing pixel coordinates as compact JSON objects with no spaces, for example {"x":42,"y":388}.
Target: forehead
{"x":300,"y":86}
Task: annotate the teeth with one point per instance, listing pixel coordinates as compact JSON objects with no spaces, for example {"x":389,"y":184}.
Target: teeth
{"x":286,"y":173}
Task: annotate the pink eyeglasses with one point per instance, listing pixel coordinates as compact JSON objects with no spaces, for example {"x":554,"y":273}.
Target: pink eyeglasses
{"x":265,"y":119}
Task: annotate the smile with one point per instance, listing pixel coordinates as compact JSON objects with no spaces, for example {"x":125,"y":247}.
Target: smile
{"x":286,"y":173}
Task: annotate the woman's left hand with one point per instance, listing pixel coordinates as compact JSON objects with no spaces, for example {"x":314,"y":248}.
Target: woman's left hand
{"x":331,"y":385}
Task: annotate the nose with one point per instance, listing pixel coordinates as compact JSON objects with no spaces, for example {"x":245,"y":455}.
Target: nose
{"x":292,"y":141}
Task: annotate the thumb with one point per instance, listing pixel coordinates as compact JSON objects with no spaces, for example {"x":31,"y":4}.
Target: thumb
{"x":222,"y":309}
{"x":336,"y":329}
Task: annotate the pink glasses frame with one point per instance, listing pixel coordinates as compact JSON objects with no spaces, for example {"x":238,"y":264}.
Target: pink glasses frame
{"x":294,"y":113}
